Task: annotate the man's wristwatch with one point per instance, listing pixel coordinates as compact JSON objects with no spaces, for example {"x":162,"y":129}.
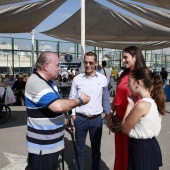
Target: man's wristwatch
{"x":81,"y":101}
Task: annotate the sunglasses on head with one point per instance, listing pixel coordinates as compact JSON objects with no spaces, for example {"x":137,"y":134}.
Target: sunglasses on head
{"x":90,"y":62}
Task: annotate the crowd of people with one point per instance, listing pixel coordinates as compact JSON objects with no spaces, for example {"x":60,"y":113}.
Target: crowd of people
{"x":17,"y":85}
{"x":18,"y":82}
{"x":139,"y":104}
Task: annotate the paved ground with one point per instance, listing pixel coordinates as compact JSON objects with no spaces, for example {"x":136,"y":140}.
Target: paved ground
{"x":13,"y":153}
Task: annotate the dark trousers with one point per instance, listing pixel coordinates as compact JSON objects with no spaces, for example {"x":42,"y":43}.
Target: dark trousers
{"x":42,"y":162}
{"x":18,"y":99}
{"x":94,"y":127}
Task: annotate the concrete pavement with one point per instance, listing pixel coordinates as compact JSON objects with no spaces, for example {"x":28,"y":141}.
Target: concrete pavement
{"x":13,"y":152}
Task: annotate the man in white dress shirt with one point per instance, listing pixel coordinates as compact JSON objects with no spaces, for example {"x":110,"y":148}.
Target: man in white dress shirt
{"x":88,"y":118}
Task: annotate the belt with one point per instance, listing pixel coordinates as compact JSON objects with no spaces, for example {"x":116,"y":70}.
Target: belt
{"x":88,"y":117}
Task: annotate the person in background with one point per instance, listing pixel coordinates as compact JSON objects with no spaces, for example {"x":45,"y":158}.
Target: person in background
{"x":164,"y":75}
{"x":77,"y":72}
{"x":2,"y":84}
{"x":132,"y":58}
{"x":155,"y":73}
{"x":18,"y":89}
{"x":64,"y":75}
{"x":1,"y":78}
{"x":88,"y":118}
{"x":143,"y":123}
{"x":2,"y":90}
{"x":72,"y":72}
{"x":98,"y":69}
{"x":6,"y":80}
{"x":45,"y":110}
{"x":70,"y":79}
{"x":114,"y":73}
{"x":105,"y":71}
{"x":16,"y":77}
{"x":11,"y":81}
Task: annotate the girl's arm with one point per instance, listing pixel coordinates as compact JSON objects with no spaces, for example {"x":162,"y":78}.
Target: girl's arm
{"x":131,"y":103}
{"x":141,"y":109}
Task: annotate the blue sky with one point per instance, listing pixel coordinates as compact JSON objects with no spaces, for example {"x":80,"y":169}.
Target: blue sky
{"x":60,"y":15}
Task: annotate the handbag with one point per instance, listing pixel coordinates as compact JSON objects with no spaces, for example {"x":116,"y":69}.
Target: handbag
{"x":116,"y":122}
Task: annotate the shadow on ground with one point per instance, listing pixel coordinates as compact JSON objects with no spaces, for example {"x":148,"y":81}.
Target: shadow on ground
{"x":69,"y":157}
{"x":18,"y":118}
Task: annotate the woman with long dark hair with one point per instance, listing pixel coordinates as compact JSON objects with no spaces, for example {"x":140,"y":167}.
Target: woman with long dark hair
{"x":132,"y":58}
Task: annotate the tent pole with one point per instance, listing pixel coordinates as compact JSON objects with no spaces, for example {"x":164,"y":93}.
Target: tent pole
{"x":82,"y":32}
{"x":33,"y":63}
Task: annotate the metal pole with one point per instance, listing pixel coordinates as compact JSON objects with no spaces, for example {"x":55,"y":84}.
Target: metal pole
{"x":58,"y":49}
{"x":33,"y":62}
{"x":82,"y":32}
{"x":37,"y":48}
{"x":77,"y":50}
{"x":13,"y":56}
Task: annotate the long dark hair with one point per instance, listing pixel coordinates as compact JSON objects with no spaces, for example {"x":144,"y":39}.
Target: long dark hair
{"x":154,"y":84}
{"x":134,"y":52}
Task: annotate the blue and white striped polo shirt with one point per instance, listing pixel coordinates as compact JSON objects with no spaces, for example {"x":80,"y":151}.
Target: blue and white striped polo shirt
{"x":45,"y":129}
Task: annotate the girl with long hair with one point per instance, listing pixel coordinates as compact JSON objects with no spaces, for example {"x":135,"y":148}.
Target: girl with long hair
{"x":143,"y":123}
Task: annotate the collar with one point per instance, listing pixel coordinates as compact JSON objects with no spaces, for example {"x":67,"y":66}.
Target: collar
{"x":48,"y":82}
{"x":84,"y":75}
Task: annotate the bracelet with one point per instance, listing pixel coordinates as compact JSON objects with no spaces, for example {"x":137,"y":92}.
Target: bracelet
{"x":81,"y":101}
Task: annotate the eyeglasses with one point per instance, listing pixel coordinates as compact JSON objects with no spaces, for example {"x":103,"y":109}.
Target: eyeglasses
{"x":90,"y":62}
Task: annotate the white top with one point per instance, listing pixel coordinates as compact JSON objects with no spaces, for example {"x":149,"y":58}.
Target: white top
{"x":150,"y":125}
{"x":95,"y":87}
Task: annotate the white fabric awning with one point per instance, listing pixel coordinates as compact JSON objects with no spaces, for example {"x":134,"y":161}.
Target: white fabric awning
{"x":25,"y":18}
{"x":5,"y":2}
{"x":158,"y":3}
{"x":110,"y":29}
{"x":158,"y":16}
{"x":150,"y":45}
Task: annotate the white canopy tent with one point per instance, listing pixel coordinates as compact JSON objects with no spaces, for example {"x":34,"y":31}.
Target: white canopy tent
{"x":149,"y":45}
{"x":24,"y":18}
{"x":105,"y":27}
{"x":158,"y":3}
{"x":161,"y":17}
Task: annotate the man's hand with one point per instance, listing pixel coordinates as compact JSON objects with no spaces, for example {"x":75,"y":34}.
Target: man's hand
{"x":70,"y":129}
{"x":73,"y":117}
{"x":85,"y":98}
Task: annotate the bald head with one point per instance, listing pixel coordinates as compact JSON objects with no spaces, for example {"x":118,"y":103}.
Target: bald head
{"x":48,"y":65}
{"x":45,"y":57}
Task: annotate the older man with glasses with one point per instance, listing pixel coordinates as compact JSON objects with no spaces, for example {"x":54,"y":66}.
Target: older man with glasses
{"x":88,"y":118}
